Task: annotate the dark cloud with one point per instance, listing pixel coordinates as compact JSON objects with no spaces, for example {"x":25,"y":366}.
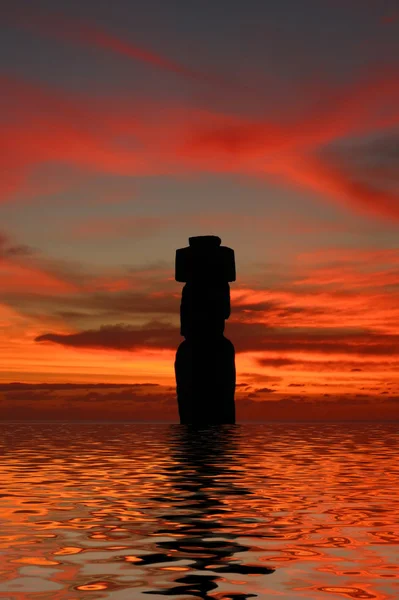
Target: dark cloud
{"x":385,"y":148}
{"x":373,"y":162}
{"x":246,"y":336}
{"x":44,"y":401}
{"x":276,"y":362}
{"x":17,"y":386}
{"x":276,"y":308}
{"x":261,"y":377}
{"x":338,"y":365}
{"x":143,"y":402}
{"x":255,"y":337}
{"x":119,"y":337}
{"x":87,"y":306}
{"x":10,"y":250}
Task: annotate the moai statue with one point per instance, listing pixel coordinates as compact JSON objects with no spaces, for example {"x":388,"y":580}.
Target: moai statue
{"x":204,"y":366}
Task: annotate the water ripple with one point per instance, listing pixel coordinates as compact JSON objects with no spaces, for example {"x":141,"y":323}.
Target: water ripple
{"x":124,"y":511}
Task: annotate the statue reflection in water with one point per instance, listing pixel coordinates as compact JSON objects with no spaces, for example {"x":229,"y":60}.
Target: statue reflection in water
{"x":199,"y":519}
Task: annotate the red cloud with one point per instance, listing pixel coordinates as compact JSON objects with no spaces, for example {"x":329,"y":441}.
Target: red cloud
{"x":343,"y":187}
{"x":292,"y":151}
{"x":42,"y":126}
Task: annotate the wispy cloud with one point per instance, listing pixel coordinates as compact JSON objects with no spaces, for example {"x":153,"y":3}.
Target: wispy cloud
{"x":75,"y":31}
{"x":45,"y":125}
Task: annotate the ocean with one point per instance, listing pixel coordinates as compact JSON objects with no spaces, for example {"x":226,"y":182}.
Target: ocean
{"x":124,"y":511}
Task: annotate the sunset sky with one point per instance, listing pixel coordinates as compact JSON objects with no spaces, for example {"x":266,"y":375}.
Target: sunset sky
{"x":128,"y":126}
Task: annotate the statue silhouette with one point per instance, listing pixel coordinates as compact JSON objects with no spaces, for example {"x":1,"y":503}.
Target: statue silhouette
{"x":205,"y":366}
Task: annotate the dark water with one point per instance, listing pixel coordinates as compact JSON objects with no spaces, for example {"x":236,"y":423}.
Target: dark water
{"x":152,"y":511}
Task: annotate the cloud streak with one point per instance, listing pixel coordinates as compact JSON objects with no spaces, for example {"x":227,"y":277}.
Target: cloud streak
{"x":248,"y":337}
{"x":61,"y":27}
{"x":42,"y":125}
{"x":119,"y":337}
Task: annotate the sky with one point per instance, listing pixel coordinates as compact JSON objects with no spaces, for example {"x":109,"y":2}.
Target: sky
{"x":127,"y":127}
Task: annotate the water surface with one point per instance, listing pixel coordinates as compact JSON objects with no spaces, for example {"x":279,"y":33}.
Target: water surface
{"x":129,"y":511}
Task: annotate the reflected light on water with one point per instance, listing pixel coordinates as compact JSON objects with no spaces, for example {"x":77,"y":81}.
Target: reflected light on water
{"x":125,"y":511}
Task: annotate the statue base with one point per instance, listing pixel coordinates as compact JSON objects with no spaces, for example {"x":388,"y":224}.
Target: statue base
{"x":205,"y":377}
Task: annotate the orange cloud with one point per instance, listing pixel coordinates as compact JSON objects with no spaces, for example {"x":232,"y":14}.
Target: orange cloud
{"x":275,"y":331}
{"x":325,"y":311}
